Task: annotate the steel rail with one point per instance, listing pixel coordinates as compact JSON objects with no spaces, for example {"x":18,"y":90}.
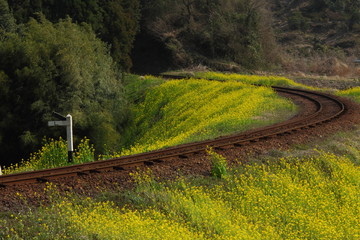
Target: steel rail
{"x":324,"y":105}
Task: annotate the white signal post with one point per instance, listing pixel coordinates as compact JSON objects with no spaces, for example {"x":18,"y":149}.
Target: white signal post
{"x":67,"y":122}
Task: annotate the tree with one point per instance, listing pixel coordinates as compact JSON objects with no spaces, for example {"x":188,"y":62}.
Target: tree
{"x":7,"y":21}
{"x":62,"y":67}
{"x":229,"y":30}
{"x":121,"y":26}
{"x":114,"y":21}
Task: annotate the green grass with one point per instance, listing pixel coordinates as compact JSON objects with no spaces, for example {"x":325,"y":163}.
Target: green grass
{"x":136,"y":86}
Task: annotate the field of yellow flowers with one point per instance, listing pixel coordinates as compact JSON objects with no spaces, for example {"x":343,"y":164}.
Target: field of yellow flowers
{"x":53,"y":154}
{"x":313,"y":197}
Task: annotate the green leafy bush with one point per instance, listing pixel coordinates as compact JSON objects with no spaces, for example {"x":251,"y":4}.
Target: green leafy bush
{"x":218,"y":164}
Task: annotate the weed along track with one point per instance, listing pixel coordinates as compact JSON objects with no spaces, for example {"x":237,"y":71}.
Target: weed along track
{"x":316,"y":109}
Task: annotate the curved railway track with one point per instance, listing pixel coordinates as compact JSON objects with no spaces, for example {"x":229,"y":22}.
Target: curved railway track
{"x":316,"y":109}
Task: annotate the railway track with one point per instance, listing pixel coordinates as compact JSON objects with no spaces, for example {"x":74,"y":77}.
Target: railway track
{"x":316,"y":109}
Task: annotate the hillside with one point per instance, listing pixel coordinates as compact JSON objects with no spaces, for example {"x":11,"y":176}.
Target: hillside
{"x":318,"y":37}
{"x":323,"y":31}
{"x":167,"y":113}
{"x":309,"y":24}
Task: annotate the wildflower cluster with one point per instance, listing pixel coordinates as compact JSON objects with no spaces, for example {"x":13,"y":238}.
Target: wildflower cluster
{"x":250,"y":79}
{"x":53,"y":154}
{"x":352,"y":92}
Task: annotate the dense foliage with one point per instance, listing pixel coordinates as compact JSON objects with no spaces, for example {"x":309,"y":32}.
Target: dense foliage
{"x":7,"y":21}
{"x":349,"y":9}
{"x":303,"y":13}
{"x":115,"y":21}
{"x":62,"y":67}
{"x":212,"y":32}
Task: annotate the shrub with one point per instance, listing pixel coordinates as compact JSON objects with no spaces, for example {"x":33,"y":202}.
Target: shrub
{"x":218,"y":164}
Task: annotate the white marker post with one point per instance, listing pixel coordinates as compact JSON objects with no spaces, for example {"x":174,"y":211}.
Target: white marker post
{"x":67,"y":122}
{"x":0,"y":171}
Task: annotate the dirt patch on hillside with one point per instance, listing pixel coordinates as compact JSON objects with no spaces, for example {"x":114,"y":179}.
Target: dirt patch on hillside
{"x":328,"y":82}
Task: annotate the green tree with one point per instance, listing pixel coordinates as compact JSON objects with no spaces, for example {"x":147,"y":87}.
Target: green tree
{"x":114,"y":21}
{"x":231,"y":30}
{"x":62,"y":67}
{"x":120,"y":27}
{"x":7,"y":21}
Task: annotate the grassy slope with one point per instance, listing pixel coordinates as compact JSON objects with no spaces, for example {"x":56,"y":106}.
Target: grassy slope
{"x":181,"y":111}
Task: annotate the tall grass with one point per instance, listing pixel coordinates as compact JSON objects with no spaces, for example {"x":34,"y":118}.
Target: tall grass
{"x":219,"y":167}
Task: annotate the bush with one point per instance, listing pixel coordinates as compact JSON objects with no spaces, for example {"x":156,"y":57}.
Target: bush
{"x":116,"y":21}
{"x":298,"y":22}
{"x":218,"y":164}
{"x":352,"y":92}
